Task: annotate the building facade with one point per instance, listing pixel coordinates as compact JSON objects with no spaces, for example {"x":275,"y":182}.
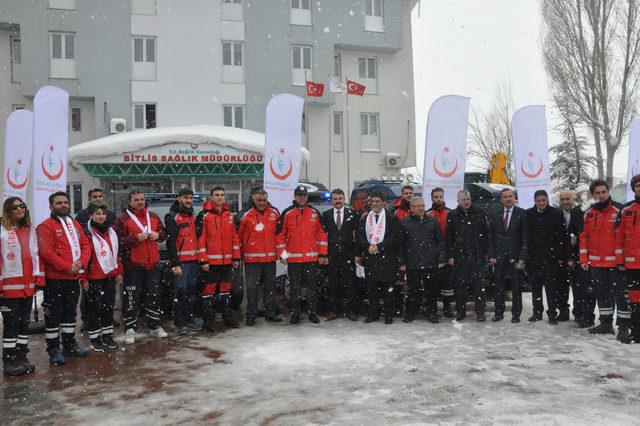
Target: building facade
{"x":142,"y":64}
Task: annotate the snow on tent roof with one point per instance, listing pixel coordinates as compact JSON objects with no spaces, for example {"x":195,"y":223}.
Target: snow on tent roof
{"x":134,"y":141}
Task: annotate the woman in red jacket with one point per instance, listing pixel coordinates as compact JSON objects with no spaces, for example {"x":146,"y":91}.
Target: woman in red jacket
{"x":104,"y":269}
{"x":20,"y":271}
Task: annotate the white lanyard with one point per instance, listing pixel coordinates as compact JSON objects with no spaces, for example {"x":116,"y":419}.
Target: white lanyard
{"x":137,"y":222}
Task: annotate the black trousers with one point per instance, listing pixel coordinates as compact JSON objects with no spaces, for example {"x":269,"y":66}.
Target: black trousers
{"x":611,"y":295}
{"x":303,"y":274}
{"x":447,"y":286}
{"x":632,"y":280}
{"x":217,"y":300}
{"x":505,"y":269}
{"x":100,"y":296}
{"x":377,"y":290}
{"x":15,"y":322}
{"x":422,"y":289}
{"x":584,"y":296}
{"x":256,"y":274}
{"x":544,"y":277}
{"x":467,"y":275}
{"x":342,"y":291}
{"x":60,"y":304}
{"x":142,"y":285}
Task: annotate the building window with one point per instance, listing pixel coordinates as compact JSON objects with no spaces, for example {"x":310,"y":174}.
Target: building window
{"x":144,"y":58}
{"x":16,"y":107}
{"x":302,"y":65}
{"x":75,"y":197}
{"x":15,"y":50}
{"x":368,"y":73}
{"x":63,"y":55}
{"x":76,"y":119}
{"x":62,"y":4}
{"x":232,"y":70}
{"x":233,"y":116}
{"x":144,"y":7}
{"x":337,"y":67}
{"x":337,"y":131}
{"x":300,"y":12}
{"x":369,"y":131}
{"x":231,"y":10}
{"x":144,"y":116}
{"x":374,"y":15}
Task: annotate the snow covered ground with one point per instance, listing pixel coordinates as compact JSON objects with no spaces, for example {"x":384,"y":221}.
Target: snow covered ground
{"x":343,"y":373}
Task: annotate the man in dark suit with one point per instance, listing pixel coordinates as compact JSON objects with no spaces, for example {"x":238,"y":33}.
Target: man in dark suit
{"x":574,"y":277}
{"x":546,"y":254}
{"x":340,"y":224}
{"x":377,"y":244}
{"x":508,"y":240}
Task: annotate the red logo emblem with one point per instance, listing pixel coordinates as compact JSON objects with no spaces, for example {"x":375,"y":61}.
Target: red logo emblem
{"x":103,"y":253}
{"x":14,"y":183}
{"x":194,"y":146}
{"x":11,"y":256}
{"x":48,"y":169}
{"x":531,"y":172}
{"x":283,"y":172}
{"x":444,"y":165}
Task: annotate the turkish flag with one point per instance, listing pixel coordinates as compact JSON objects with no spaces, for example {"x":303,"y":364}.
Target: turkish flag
{"x":315,"y":89}
{"x":354,"y":88}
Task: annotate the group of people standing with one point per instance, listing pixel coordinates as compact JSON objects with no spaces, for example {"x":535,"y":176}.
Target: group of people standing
{"x":444,"y":253}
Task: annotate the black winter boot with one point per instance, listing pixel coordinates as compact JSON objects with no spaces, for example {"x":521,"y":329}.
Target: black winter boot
{"x":13,"y":367}
{"x":22,"y":358}
{"x":602,"y":328}
{"x":624,"y":336}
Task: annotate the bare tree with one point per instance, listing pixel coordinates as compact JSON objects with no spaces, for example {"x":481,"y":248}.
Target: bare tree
{"x":490,"y":131}
{"x":591,"y":51}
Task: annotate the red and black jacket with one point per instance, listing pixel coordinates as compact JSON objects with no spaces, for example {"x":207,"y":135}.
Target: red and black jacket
{"x":139,"y":254}
{"x":55,"y":251}
{"x":183,"y":244}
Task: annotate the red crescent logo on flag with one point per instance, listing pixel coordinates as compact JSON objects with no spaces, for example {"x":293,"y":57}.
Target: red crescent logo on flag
{"x":51,"y":175}
{"x":533,"y":173}
{"x":280,"y":176}
{"x":13,"y":184}
{"x":445,"y":173}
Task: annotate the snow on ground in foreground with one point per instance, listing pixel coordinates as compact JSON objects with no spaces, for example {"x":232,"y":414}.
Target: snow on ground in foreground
{"x":354,"y":373}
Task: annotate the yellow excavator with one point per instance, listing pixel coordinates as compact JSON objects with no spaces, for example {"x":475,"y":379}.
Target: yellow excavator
{"x":497,"y":172}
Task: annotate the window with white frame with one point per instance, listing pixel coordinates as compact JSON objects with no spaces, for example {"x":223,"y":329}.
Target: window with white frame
{"x":368,"y":74}
{"x":374,"y":15}
{"x":144,"y":116}
{"x":62,"y":4}
{"x":232,"y":60}
{"x":15,"y":50}
{"x":300,"y":12}
{"x":370,"y":131}
{"x":144,"y":7}
{"x":62,"y":54}
{"x":76,"y":119}
{"x":302,"y":64}
{"x":233,"y":116}
{"x":337,"y":67}
{"x":144,"y":58}
{"x":338,"y":141}
{"x":231,"y":10}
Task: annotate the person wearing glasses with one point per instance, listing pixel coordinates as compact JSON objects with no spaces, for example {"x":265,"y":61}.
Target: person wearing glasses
{"x":20,"y":272}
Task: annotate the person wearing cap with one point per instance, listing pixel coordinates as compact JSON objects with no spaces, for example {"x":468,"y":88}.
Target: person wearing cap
{"x":628,"y":259}
{"x":187,"y":256}
{"x":377,"y":241}
{"x":546,"y":254}
{"x":302,"y":245}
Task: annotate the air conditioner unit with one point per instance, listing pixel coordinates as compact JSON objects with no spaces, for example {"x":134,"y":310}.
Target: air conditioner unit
{"x":392,"y":160}
{"x":117,"y":125}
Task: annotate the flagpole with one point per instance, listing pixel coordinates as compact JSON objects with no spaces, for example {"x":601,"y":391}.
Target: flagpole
{"x":348,"y":147}
{"x":330,"y":142}
{"x":306,"y":125}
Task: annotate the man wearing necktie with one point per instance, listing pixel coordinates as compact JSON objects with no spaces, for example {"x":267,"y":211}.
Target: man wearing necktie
{"x":508,"y":239}
{"x":340,"y":224}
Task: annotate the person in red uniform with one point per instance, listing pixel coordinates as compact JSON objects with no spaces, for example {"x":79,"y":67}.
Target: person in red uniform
{"x":598,"y":254}
{"x":628,"y":260}
{"x":222,"y":246}
{"x":402,"y":206}
{"x":20,"y":273}
{"x":187,"y":256}
{"x":65,"y":252}
{"x":105,"y":268}
{"x":302,"y":245}
{"x":139,"y":231}
{"x":441,"y":212}
{"x":258,"y":241}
